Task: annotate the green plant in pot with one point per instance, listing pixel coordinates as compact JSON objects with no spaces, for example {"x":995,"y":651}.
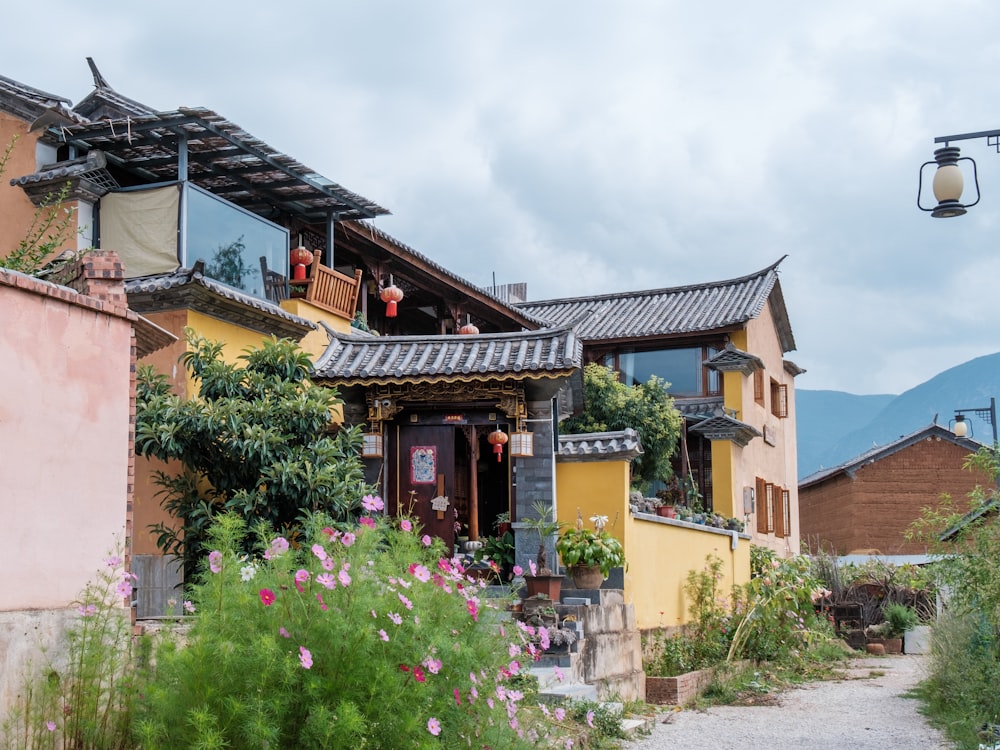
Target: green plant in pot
{"x":542,"y":578}
{"x":499,"y":549}
{"x":590,"y":555}
{"x":899,"y":619}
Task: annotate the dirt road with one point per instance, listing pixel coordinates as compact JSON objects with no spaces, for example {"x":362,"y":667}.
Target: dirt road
{"x":867,"y":710}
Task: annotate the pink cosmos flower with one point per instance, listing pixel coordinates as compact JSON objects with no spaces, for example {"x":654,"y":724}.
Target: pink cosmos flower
{"x":50,"y":725}
{"x":88,"y":610}
{"x":531,"y":566}
{"x":425,"y":540}
{"x":569,"y":743}
{"x":433,"y":665}
{"x":113,"y":562}
{"x":328,"y":532}
{"x":559,"y":674}
{"x":317,"y":549}
{"x":513,"y":649}
{"x":383,"y":635}
{"x":284,"y":633}
{"x":215,"y":561}
{"x":406,"y":602}
{"x":305,"y":657}
{"x":188,"y":607}
{"x":396,"y":618}
{"x":473,"y":609}
{"x":473,"y":692}
{"x":124,"y":588}
{"x":405,"y":525}
{"x":418,"y":674}
{"x":366,"y":521}
{"x":301,"y":576}
{"x":434,"y":726}
{"x":328,"y":564}
{"x":560,"y":714}
{"x":322,"y":604}
{"x":327,"y":580}
{"x":518,"y":570}
{"x":372,"y":503}
{"x":344,"y":577}
{"x":590,"y":719}
{"x":347,"y":539}
{"x":420,"y":572}
{"x":458,"y":698}
{"x":267,"y":597}
{"x":279,"y":546}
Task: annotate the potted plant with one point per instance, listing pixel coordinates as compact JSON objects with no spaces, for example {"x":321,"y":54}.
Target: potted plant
{"x":898,"y":619}
{"x":542,"y":579}
{"x":502,"y":523}
{"x":669,"y":498}
{"x":500,"y":550}
{"x":590,"y":555}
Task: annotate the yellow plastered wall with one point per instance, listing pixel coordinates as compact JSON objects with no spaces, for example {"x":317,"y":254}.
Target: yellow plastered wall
{"x":315,"y":342}
{"x":597,"y":488}
{"x":659,"y":554}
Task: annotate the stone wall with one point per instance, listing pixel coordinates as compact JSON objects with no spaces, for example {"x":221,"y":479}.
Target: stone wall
{"x":612,"y":659}
{"x":534,"y":480}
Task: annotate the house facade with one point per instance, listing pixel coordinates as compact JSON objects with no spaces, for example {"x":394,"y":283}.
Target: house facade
{"x":867,"y":504}
{"x":721,"y":346}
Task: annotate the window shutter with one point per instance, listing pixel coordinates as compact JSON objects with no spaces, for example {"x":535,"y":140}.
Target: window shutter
{"x":779,"y":512}
{"x":786,"y":505}
{"x":782,"y":401}
{"x":761,"y":507}
{"x":770,"y":507}
{"x":758,"y":386}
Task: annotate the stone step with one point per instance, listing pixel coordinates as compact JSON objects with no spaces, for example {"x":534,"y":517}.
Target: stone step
{"x":563,"y":693}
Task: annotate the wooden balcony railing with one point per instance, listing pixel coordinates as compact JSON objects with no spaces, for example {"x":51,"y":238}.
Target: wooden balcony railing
{"x":332,"y":290}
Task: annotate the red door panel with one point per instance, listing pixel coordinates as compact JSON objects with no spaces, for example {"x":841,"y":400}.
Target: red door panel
{"x":425,"y":470}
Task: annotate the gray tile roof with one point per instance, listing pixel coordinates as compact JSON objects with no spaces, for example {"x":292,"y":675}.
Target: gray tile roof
{"x":550,"y":352}
{"x":731,"y":359}
{"x":672,"y":311}
{"x":878,"y":452}
{"x":725,"y":427}
{"x":30,"y":103}
{"x":189,"y":287}
{"x":595,"y":446}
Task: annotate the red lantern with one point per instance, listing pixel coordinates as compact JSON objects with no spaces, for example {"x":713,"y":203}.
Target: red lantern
{"x":391,"y":295}
{"x":497,"y":439}
{"x":300,"y":258}
{"x":468,"y":330}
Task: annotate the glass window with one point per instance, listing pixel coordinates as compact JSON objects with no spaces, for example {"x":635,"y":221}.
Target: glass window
{"x":681,"y":368}
{"x":232,"y":242}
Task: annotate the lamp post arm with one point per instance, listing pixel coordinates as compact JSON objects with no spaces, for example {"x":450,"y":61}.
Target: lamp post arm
{"x":967,"y":136}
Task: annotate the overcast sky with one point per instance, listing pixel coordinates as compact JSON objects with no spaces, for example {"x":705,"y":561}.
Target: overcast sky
{"x":587,"y":147}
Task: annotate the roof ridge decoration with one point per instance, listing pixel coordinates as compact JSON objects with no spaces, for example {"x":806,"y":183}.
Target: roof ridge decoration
{"x":731,"y":359}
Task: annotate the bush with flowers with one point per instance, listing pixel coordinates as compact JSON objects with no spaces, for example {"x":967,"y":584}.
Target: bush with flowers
{"x":363,"y":636}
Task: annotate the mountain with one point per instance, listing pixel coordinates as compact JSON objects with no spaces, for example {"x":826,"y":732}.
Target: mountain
{"x":834,"y":427}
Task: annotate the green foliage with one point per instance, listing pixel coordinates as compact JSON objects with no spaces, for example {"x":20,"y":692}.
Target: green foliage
{"x":777,"y":621}
{"x":579,"y":546}
{"x":646,"y":408}
{"x":51,"y":228}
{"x":84,"y":696}
{"x":965,"y":665}
{"x":256,"y":442}
{"x":499,"y":549}
{"x":899,"y":618}
{"x":545,"y":524}
{"x":364,"y":637}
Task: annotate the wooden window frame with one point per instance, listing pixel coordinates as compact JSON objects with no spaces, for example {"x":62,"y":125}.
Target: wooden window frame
{"x":758,"y":386}
{"x":780,"y":496}
{"x":764,"y":507}
{"x":779,"y":399}
{"x":786,"y":509}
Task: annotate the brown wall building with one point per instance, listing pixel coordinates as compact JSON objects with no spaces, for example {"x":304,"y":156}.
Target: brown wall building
{"x":868,"y":503}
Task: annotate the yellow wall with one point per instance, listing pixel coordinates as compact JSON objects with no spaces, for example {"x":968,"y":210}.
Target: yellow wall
{"x":659,"y":553}
{"x":596,"y":488}
{"x":315,"y":342}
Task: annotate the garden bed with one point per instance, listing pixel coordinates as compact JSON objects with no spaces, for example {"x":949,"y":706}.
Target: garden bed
{"x":679,"y":690}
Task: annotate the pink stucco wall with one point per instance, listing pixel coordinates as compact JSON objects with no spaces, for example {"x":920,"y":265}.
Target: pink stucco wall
{"x":64,"y":440}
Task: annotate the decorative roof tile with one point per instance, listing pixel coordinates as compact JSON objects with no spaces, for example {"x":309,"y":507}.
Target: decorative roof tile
{"x":672,"y":311}
{"x":732,"y":359}
{"x":725,"y":427}
{"x":549,"y":352}
{"x":594,"y":446}
{"x":190,"y":288}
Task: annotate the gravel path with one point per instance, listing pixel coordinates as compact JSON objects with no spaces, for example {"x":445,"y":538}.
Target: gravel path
{"x":864,"y":711}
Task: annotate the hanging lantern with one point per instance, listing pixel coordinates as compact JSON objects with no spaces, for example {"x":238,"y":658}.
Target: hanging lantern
{"x":497,"y":439}
{"x":522,"y":444}
{"x":468,"y":329}
{"x":300,"y":258}
{"x":371,"y":444}
{"x":391,"y":295}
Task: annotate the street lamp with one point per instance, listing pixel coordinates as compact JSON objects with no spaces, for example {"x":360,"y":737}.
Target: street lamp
{"x":948,"y":181}
{"x":988,"y":413}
